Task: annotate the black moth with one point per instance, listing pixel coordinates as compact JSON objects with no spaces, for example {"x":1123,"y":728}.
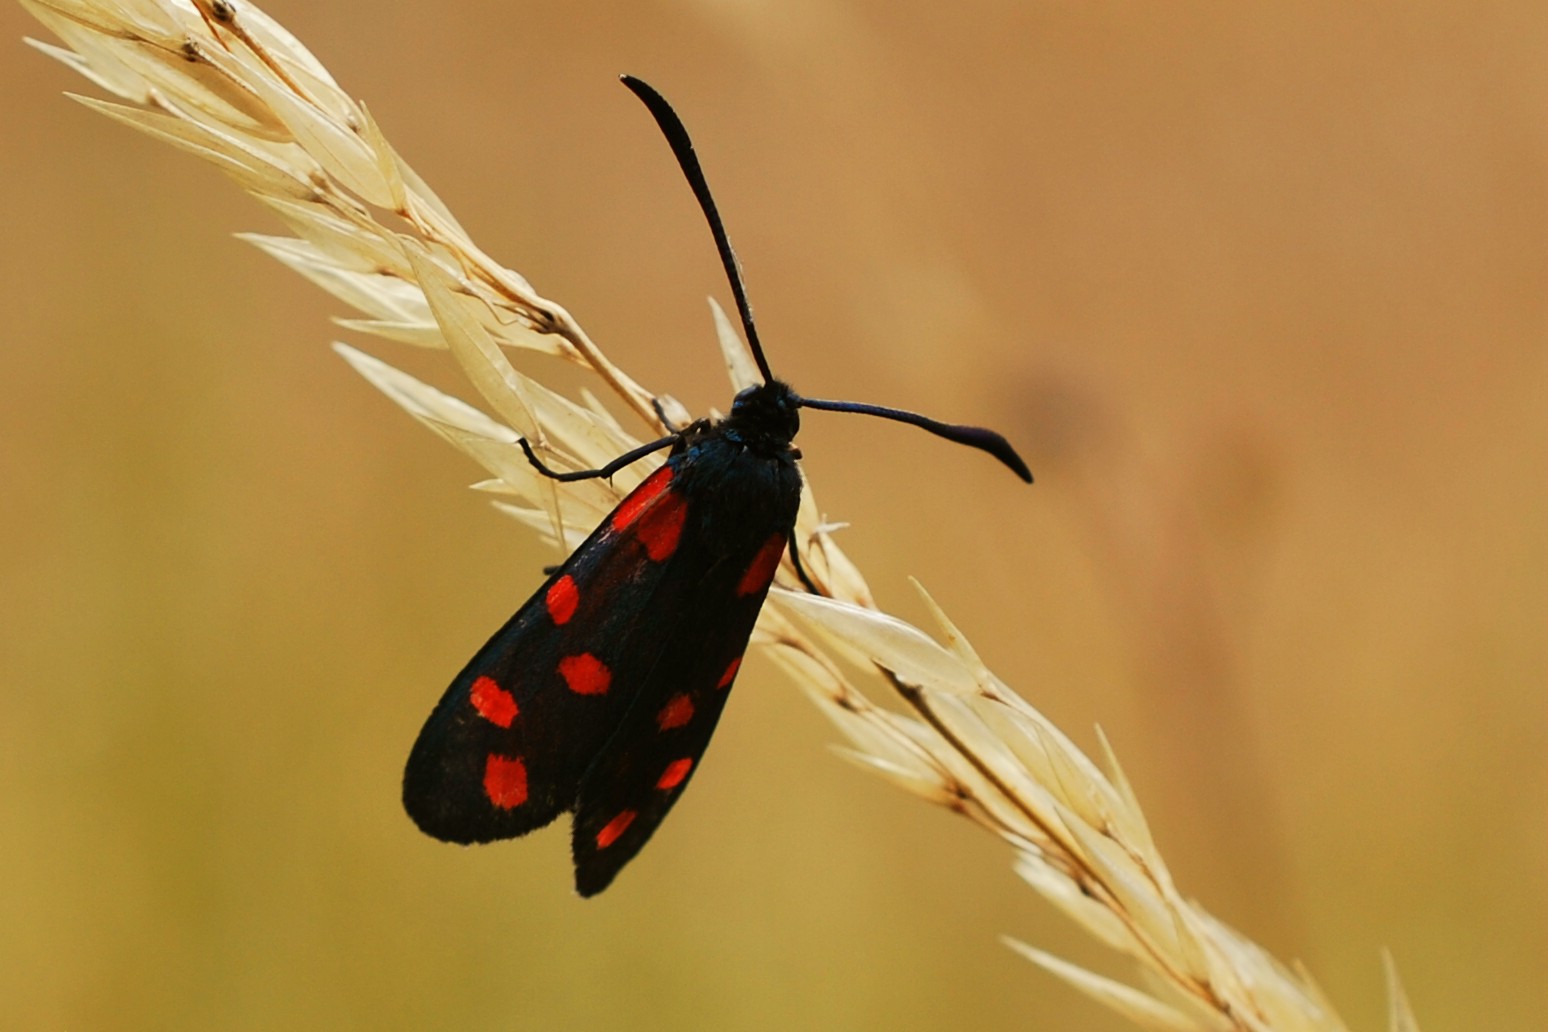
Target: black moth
{"x":600,"y":695}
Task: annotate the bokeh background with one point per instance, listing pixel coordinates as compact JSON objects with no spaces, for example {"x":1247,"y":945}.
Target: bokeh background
{"x":1259,"y":292}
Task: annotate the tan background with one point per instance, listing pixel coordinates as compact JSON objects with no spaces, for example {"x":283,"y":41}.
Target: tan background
{"x":1260,"y":295}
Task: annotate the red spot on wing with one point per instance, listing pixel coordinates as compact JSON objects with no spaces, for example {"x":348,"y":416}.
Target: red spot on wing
{"x":675,"y":772}
{"x":730,"y":674}
{"x":505,"y":781}
{"x":661,"y":526}
{"x":677,"y":712}
{"x":585,"y":674}
{"x":562,"y":598}
{"x":640,"y":498}
{"x":614,"y":828}
{"x":493,"y":703}
{"x":761,"y":571}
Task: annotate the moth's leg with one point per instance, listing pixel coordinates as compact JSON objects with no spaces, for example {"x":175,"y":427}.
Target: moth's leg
{"x":655,"y":403}
{"x":606,"y":472}
{"x":795,"y":559}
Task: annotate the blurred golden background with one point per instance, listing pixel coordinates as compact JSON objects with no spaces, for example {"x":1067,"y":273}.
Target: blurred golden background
{"x":1260,"y":294}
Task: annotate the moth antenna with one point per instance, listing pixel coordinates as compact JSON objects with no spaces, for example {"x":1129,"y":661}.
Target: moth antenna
{"x":682,"y":148}
{"x":983,"y":439}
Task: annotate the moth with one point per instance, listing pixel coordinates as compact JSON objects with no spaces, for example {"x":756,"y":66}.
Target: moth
{"x":599,"y":696}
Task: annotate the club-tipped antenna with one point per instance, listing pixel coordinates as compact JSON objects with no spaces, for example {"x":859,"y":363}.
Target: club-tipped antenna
{"x":979,"y":437}
{"x":677,"y":137}
{"x":682,"y":147}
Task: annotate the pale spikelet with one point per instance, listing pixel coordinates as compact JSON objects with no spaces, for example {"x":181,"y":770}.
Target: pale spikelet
{"x":225,"y":82}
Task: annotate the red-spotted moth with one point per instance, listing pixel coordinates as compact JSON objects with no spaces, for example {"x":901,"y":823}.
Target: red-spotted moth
{"x":600,"y":695}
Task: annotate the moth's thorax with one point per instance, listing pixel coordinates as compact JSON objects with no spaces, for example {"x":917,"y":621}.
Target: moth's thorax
{"x":746,"y":464}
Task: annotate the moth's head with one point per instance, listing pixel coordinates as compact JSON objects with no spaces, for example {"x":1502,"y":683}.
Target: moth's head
{"x":769,"y":409}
